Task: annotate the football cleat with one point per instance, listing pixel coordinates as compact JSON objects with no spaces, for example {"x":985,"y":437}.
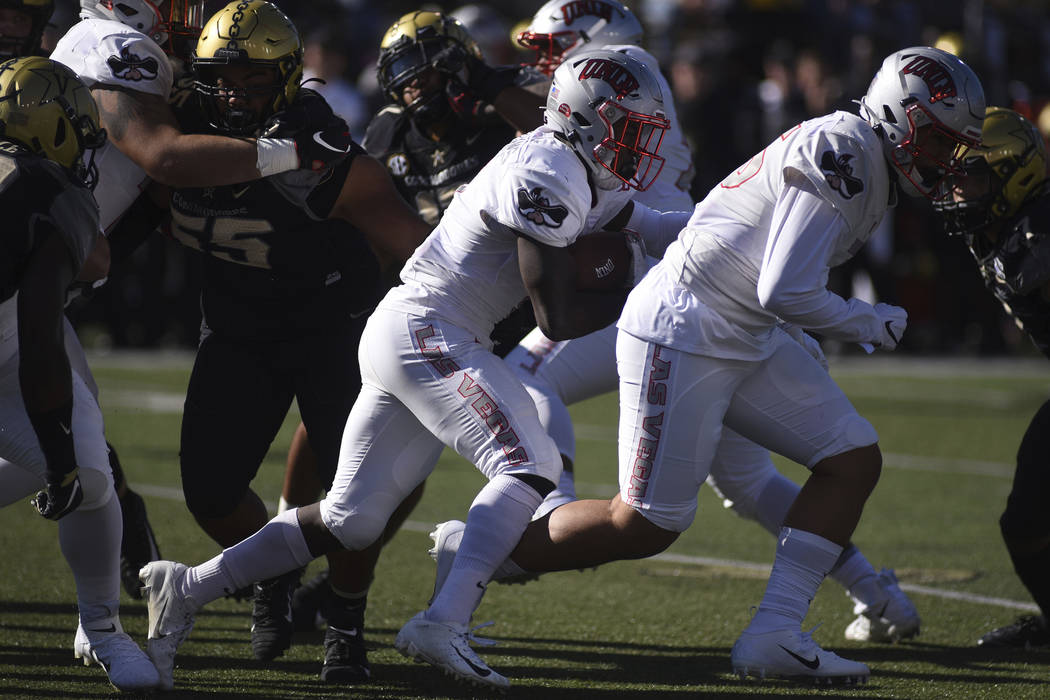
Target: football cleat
{"x":171,"y":615}
{"x":1027,"y":632}
{"x":138,"y":545}
{"x":792,"y":654}
{"x":104,"y":642}
{"x":272,"y":615}
{"x":345,"y":656}
{"x":447,"y":646}
{"x":891,"y":619}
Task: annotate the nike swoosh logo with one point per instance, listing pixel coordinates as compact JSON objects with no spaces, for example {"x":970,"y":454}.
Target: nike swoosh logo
{"x":882,"y":613}
{"x":65,"y":430}
{"x":890,"y":333}
{"x":480,"y":670}
{"x":481,"y":585}
{"x":812,"y":664}
{"x":111,"y":628}
{"x":237,"y":195}
{"x":352,"y":632}
{"x":330,"y":147}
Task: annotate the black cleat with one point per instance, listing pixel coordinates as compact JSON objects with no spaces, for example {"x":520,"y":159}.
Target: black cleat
{"x":272,"y":615}
{"x":1027,"y":632}
{"x":138,"y":546}
{"x":307,"y":602}
{"x":345,"y":656}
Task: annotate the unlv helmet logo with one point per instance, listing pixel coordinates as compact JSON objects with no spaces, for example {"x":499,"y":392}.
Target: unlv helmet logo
{"x":938,"y":81}
{"x":619,"y":78}
{"x":572,"y":11}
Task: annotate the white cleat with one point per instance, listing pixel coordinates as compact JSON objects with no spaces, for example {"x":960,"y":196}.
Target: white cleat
{"x":447,"y":646}
{"x":446,"y":536}
{"x":104,"y":642}
{"x":170,"y":615}
{"x":889,"y":620}
{"x":793,"y":654}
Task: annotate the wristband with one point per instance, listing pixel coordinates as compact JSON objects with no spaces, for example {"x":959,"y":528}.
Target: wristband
{"x":54,"y":432}
{"x":275,"y":156}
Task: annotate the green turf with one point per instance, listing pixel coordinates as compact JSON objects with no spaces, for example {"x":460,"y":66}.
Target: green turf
{"x":632,"y":629}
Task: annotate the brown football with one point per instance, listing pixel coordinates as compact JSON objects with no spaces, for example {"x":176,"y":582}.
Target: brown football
{"x":602,"y":260}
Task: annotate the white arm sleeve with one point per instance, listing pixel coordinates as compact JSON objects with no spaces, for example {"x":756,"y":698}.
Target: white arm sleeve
{"x":791,"y":283}
{"x":657,"y":229}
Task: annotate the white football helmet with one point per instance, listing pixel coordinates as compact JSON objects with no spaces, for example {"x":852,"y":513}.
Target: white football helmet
{"x":608,"y":107}
{"x":562,"y":27}
{"x":927,"y":105}
{"x":164,"y":21}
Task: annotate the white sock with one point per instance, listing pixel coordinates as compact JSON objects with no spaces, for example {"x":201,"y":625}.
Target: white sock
{"x":802,"y":561}
{"x":857,"y":576}
{"x":497,"y":517}
{"x":277,"y":548}
{"x":90,"y":542}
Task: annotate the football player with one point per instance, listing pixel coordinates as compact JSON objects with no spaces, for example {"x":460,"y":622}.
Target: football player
{"x":22,"y":25}
{"x":52,"y":434}
{"x":431,"y":143}
{"x":1000,"y":208}
{"x":431,"y":380}
{"x":126,"y":54}
{"x":701,"y":346}
{"x":289,"y":278}
{"x":558,"y":374}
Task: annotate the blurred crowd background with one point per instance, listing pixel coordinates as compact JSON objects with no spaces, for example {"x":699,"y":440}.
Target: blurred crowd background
{"x":742,"y":72}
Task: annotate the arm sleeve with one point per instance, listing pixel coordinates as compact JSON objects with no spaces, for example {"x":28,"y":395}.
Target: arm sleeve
{"x":793,"y":278}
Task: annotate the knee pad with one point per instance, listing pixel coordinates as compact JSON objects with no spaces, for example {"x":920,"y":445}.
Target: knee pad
{"x":98,"y":488}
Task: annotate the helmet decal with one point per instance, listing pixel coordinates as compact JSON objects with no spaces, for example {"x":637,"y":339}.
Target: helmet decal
{"x":617,"y":76}
{"x":937,"y":78}
{"x":576,"y":9}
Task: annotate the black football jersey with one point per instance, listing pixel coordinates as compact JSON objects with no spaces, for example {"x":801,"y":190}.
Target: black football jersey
{"x":274,"y":264}
{"x":427,"y":172}
{"x":37,"y":194}
{"x":1016,"y":268}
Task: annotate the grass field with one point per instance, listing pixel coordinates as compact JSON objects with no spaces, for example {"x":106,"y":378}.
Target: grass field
{"x":660,"y":628}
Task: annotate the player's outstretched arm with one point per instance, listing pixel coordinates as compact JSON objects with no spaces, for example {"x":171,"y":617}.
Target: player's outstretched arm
{"x":143,"y":127}
{"x":43,"y":371}
{"x":370,"y":202}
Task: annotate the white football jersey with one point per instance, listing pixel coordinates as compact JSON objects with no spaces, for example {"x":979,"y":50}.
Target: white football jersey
{"x":670,"y":192}
{"x":106,"y":52}
{"x":708,"y":301}
{"x":467,"y":271}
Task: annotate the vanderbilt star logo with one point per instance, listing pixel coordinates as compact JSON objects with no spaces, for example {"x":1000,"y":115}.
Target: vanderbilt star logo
{"x":438,"y":157}
{"x":811,"y":664}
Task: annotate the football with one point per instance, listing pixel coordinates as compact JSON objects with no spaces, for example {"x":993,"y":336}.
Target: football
{"x":602,"y":261}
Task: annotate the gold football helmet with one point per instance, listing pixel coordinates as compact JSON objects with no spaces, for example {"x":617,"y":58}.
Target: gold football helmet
{"x":1002,"y":174}
{"x":408,"y":49}
{"x":45,"y":107}
{"x":248,"y":33}
{"x":39,"y":12}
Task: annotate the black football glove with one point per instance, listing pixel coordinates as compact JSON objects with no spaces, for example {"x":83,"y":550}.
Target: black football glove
{"x":482,"y":79}
{"x":60,"y":497}
{"x":321,"y":138}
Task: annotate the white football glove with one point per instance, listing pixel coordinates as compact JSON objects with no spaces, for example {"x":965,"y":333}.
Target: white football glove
{"x":894,"y":319}
{"x":808,"y":342}
{"x":639,"y":264}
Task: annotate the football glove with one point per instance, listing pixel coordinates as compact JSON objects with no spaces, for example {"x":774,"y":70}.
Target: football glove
{"x":60,"y":496}
{"x":472,"y":73}
{"x":321,"y":138}
{"x":894,"y":319}
{"x":639,"y":260}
